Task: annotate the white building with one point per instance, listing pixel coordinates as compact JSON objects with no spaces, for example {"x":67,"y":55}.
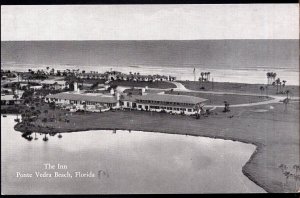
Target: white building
{"x":55,"y":84}
{"x":86,"y":101}
{"x":179,"y":104}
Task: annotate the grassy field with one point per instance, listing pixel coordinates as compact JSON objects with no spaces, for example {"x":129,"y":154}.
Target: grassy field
{"x":237,"y":87}
{"x":12,"y":109}
{"x":275,"y":132}
{"x":218,"y":99}
{"x":158,"y":84}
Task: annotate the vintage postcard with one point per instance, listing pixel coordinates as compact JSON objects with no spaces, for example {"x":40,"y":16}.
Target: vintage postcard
{"x":126,"y":99}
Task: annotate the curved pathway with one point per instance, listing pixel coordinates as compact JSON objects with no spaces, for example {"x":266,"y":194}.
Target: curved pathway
{"x":275,"y":98}
{"x":181,"y":87}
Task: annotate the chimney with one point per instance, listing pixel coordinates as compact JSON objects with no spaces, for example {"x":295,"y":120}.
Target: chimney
{"x":112,"y":91}
{"x":76,"y":87}
{"x":118,"y":96}
{"x":143,"y":91}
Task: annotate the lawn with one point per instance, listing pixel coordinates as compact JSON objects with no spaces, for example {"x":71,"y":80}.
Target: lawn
{"x":238,"y":87}
{"x":158,"y":84}
{"x":218,"y":99}
{"x":275,"y":132}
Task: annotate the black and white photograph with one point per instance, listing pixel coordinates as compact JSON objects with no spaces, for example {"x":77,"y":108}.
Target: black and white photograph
{"x":150,"y":99}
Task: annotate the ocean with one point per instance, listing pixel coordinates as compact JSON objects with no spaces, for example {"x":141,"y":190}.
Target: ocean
{"x":245,"y":61}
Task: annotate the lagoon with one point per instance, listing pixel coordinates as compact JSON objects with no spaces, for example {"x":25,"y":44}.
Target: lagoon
{"x":96,"y":162}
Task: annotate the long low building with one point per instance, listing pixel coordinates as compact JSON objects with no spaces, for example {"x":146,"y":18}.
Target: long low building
{"x":178,"y":104}
{"x":79,"y":99}
{"x":163,"y":102}
{"x":10,"y":100}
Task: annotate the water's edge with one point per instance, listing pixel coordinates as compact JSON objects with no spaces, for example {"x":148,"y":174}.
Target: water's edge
{"x":258,"y":148}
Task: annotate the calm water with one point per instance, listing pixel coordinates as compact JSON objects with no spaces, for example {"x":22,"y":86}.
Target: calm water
{"x":123,"y":162}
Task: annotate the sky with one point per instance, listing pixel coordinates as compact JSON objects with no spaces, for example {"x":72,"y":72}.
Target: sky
{"x":149,"y":22}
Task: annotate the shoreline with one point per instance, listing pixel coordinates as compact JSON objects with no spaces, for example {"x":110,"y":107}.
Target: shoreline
{"x":275,"y":141}
{"x":274,"y":131}
{"x":250,"y":75}
{"x":257,"y":145}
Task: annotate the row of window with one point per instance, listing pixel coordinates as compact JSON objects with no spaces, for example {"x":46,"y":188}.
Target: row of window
{"x":81,"y":102}
{"x":160,"y":107}
{"x":164,"y":103}
{"x":167,"y":108}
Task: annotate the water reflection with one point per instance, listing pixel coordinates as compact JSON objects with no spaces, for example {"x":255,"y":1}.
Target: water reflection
{"x":45,"y":138}
{"x":35,"y":138}
{"x":121,"y":163}
{"x":27,"y":136}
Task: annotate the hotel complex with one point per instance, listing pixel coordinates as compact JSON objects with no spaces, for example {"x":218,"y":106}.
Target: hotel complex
{"x":97,"y":102}
{"x":163,"y":102}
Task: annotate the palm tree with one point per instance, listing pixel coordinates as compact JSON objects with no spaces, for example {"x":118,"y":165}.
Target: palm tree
{"x":202,"y":74}
{"x":287,"y":93}
{"x":274,"y":75}
{"x":283,"y":83}
{"x":261,"y":90}
{"x":280,"y":83}
{"x":268,"y":77}
{"x":277,"y":82}
{"x":271,"y":77}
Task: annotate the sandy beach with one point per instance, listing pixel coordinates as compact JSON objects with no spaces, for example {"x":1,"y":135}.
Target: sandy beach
{"x":251,"y":75}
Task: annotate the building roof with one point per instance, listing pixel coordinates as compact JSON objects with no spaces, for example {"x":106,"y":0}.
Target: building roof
{"x":131,"y":98}
{"x":91,"y":74}
{"x":51,"y":82}
{"x":172,"y":98}
{"x":9,"y":97}
{"x":84,"y":97}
